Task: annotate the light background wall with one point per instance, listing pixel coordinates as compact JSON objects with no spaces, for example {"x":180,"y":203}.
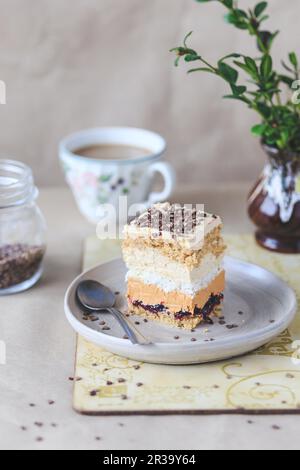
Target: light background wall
{"x":72,"y":64}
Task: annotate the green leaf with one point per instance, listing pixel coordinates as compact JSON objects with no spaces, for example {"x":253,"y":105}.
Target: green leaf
{"x":249,"y":67}
{"x":294,"y":60}
{"x":201,"y":69}
{"x":241,"y":14}
{"x":238,"y":21}
{"x":266,"y":66}
{"x":238,"y":98}
{"x":260,"y":8}
{"x":238,"y":90}
{"x":231,"y":56}
{"x":264,"y":110}
{"x":267,"y":40}
{"x":251,"y":64}
{"x":242,"y":66}
{"x":263,"y":18}
{"x":228,"y":3}
{"x":259,"y":130}
{"x":228,"y":73}
{"x":191,"y":57}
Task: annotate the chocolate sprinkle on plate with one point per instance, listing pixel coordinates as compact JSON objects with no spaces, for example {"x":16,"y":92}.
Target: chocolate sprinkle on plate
{"x":231,"y":327}
{"x":276,"y":427}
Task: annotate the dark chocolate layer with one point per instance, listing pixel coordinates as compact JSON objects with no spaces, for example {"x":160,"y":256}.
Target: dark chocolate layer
{"x":205,"y":312}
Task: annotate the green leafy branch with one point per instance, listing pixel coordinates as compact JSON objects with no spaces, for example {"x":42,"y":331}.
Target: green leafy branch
{"x":263,"y":90}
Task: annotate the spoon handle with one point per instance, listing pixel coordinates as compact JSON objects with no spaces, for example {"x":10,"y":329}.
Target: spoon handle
{"x":133,"y":334}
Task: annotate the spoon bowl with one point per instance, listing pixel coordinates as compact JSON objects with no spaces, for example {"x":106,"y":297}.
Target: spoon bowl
{"x":95,"y":297}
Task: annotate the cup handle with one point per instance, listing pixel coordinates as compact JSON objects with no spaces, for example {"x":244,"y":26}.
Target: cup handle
{"x":169,"y":175}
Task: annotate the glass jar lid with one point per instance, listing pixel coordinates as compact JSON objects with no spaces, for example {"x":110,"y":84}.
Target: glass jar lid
{"x":16,"y":184}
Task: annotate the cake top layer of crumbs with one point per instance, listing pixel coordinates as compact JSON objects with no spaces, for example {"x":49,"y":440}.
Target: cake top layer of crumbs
{"x":187,"y":224}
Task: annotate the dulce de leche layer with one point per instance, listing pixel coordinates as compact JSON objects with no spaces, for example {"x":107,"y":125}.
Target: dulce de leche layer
{"x":174,"y":301}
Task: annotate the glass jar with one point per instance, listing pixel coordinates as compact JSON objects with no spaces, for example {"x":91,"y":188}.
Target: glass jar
{"x":22,"y":229}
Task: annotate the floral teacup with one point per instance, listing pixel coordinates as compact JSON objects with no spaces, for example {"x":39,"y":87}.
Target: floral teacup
{"x":97,"y":182}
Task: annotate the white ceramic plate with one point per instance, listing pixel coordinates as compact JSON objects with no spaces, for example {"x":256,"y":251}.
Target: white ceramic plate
{"x":258,"y":307}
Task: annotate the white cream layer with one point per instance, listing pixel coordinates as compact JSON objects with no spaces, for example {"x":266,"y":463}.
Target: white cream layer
{"x":153,"y":261}
{"x":168,"y":285}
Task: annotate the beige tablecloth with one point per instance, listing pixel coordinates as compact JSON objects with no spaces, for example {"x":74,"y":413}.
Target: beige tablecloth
{"x":40,"y":356}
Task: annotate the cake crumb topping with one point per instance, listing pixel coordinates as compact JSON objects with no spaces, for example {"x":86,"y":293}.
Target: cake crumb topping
{"x":185,"y":224}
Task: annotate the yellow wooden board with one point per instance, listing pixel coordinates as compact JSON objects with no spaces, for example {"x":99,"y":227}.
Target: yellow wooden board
{"x":266,"y":381}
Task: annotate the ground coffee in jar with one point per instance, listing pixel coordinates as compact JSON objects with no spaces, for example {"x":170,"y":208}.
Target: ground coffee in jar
{"x":22,"y":229}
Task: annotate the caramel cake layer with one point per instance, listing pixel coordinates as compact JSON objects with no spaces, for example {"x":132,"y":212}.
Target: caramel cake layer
{"x":174,"y":301}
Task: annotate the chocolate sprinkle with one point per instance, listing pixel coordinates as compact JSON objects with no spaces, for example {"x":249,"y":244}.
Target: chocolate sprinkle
{"x":175,"y":219}
{"x":276,"y":427}
{"x":290,"y":376}
{"x":231,"y":327}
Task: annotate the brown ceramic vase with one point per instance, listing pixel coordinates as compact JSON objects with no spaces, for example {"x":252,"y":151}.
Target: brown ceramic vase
{"x":274,"y":203}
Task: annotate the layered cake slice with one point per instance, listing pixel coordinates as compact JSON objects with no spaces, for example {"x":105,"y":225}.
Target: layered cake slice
{"x":175,"y":256}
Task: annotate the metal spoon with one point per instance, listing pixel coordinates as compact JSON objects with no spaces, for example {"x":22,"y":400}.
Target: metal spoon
{"x":95,"y":297}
